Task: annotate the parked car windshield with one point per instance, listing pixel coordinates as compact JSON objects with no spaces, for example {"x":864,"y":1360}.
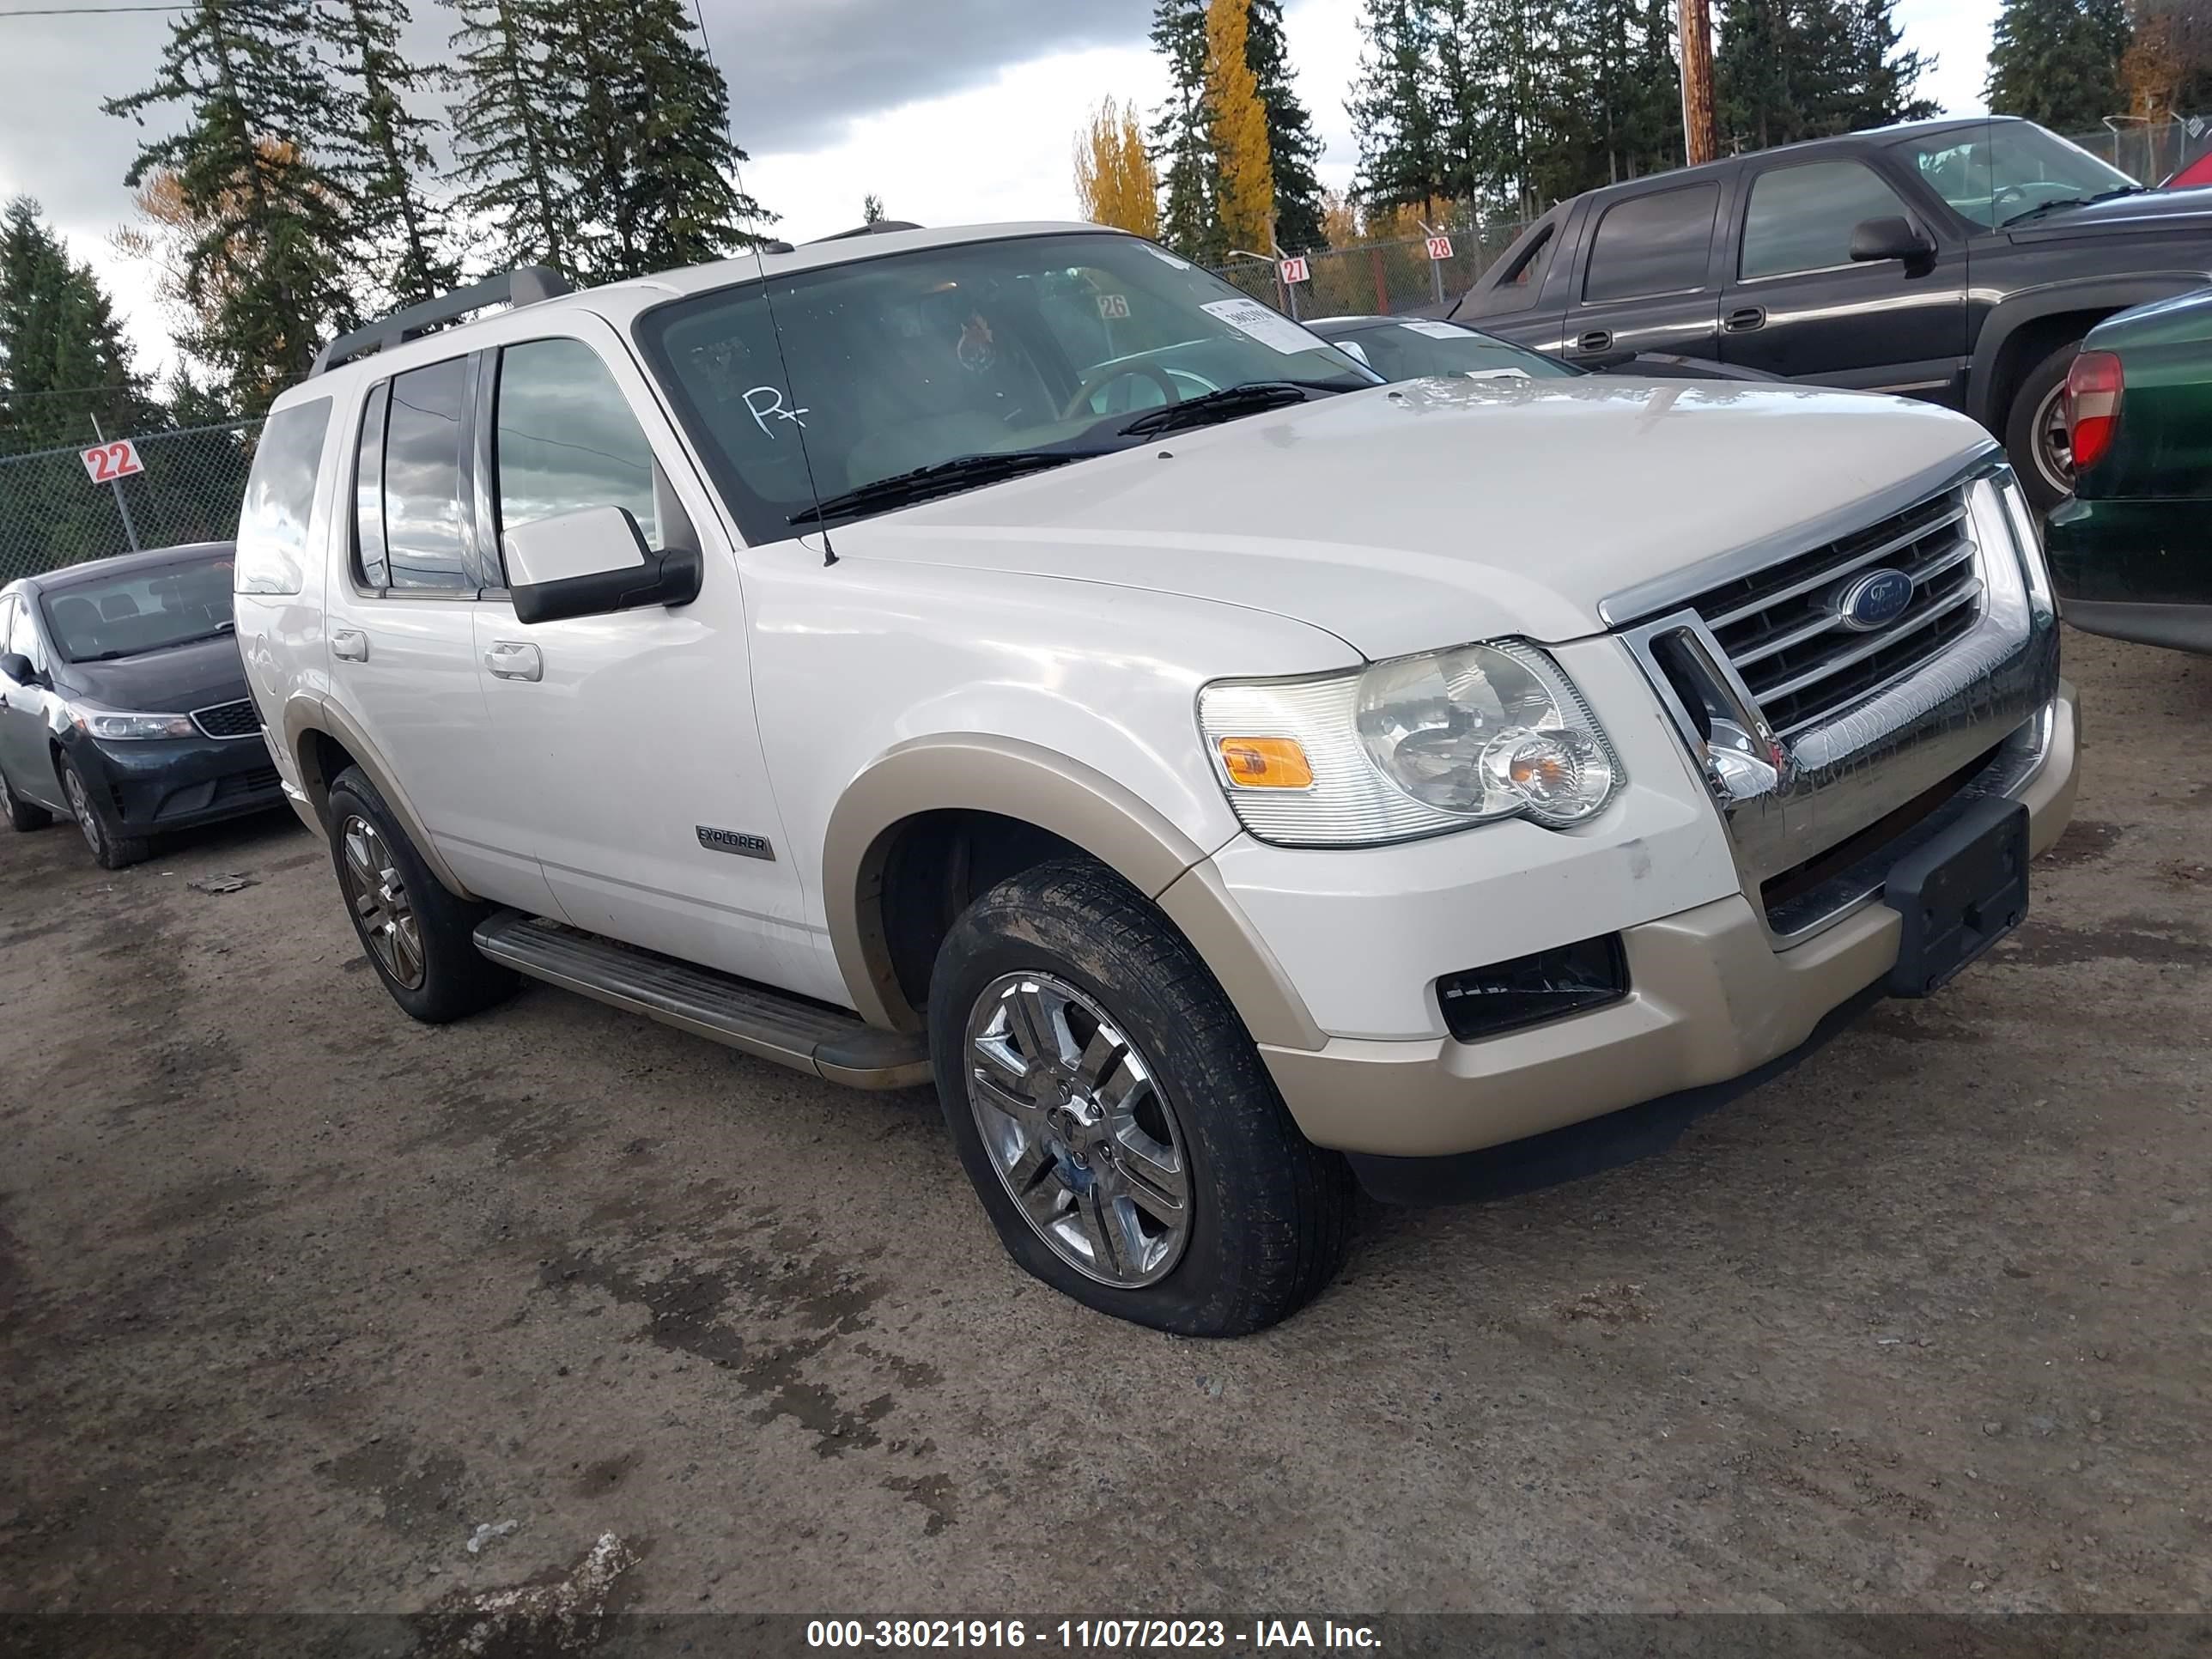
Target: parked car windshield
{"x":910,"y":360}
{"x":1409,"y":349}
{"x":97,"y":618}
{"x":2007,"y":170}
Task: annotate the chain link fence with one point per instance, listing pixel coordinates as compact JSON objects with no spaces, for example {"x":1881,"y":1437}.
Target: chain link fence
{"x":189,"y":487}
{"x":1386,"y":279}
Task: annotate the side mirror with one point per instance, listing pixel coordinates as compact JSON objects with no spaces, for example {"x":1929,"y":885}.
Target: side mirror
{"x":1892,"y":238}
{"x":17,"y":667}
{"x":594,"y":562}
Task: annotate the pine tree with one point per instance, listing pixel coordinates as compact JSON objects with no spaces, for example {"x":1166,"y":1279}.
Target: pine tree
{"x":1787,"y":69}
{"x":1752,"y":63}
{"x":380,"y":152}
{"x":1292,"y":145}
{"x":2059,"y":61}
{"x":63,"y":360}
{"x":1392,"y":106}
{"x":1244,"y":183}
{"x":269,"y":253}
{"x":648,"y":145}
{"x":517,"y":100}
{"x":1181,"y":148}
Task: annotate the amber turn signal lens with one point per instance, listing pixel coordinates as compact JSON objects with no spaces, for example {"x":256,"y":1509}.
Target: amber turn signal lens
{"x":1265,"y":763}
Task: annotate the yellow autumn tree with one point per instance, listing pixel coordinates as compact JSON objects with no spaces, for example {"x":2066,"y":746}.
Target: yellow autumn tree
{"x":1114,"y":177}
{"x":1244,"y":182}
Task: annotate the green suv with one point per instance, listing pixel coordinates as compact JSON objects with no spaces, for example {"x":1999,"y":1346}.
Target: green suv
{"x":2131,"y":551}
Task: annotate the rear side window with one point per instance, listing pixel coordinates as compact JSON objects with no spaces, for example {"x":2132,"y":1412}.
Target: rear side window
{"x":425,"y":538}
{"x":1801,"y":218}
{"x":280,"y":495}
{"x":1654,"y":243}
{"x":566,"y":439}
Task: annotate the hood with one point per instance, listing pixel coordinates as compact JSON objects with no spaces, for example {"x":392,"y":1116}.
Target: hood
{"x":2147,"y":212}
{"x":1410,"y":517}
{"x":178,"y":681}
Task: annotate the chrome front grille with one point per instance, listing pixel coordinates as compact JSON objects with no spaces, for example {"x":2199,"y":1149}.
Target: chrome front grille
{"x":230,"y":720}
{"x":1818,"y":739}
{"x":1798,"y":655}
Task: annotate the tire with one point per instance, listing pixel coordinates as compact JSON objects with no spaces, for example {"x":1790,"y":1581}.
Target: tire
{"x":110,"y":851}
{"x":418,"y":936}
{"x":2046,"y":472}
{"x":20,"y":813}
{"x":1069,"y":947}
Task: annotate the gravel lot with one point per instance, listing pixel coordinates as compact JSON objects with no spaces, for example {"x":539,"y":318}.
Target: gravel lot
{"x":295,"y":1295}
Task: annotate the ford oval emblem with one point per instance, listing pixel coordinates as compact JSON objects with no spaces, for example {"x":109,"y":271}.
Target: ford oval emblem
{"x":1875,"y":600}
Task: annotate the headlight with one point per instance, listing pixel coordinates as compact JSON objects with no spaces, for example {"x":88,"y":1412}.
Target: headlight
{"x":112,"y":727}
{"x":1411,"y":747}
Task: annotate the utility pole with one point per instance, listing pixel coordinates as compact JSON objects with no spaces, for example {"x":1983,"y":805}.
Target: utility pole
{"x":1700,"y":134}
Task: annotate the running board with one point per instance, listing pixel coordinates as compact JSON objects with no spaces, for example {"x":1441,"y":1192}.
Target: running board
{"x":769,"y":1024}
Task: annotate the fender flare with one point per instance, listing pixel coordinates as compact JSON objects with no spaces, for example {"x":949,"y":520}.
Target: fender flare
{"x":305,"y":713}
{"x":977,"y":772}
{"x":2016,"y":311}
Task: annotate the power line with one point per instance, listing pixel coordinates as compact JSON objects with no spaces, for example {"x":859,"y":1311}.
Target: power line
{"x":83,"y":11}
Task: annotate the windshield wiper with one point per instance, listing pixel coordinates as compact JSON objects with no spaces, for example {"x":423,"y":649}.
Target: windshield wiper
{"x":220,"y":631}
{"x":940,"y":478}
{"x":1212,"y":408}
{"x":2042,"y":208}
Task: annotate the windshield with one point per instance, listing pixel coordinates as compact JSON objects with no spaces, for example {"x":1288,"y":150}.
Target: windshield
{"x":2008,"y":169}
{"x":911,"y":360}
{"x":126,"y":615}
{"x":1408,"y":351}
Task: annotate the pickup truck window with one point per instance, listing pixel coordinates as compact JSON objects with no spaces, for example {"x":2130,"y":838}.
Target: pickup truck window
{"x":1801,"y":218}
{"x":2007,"y":170}
{"x":423,"y":537}
{"x":1036,"y":344}
{"x":1654,"y":243}
{"x":565,"y":438}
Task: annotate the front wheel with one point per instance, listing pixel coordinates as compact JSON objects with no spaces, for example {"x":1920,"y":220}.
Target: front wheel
{"x":1114,"y":1116}
{"x":110,"y":850}
{"x":2038,"y":435}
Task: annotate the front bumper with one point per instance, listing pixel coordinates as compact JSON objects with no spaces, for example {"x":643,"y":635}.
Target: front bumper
{"x":143,"y":788}
{"x":1710,"y":1001}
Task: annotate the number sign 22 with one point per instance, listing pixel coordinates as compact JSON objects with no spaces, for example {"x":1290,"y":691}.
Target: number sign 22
{"x":105,"y":463}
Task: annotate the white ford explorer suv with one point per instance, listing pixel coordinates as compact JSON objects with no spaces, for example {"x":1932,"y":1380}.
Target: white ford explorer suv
{"x":1009,"y":657}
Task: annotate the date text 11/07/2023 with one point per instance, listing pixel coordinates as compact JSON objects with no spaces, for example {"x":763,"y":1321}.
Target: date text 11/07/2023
{"x":1051,"y":1636}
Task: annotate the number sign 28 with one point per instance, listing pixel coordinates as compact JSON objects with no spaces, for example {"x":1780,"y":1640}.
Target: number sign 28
{"x":105,"y":463}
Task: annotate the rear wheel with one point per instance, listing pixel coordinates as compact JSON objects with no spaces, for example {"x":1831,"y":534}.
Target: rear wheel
{"x":21,"y":814}
{"x":2038,"y":438}
{"x":111,"y":849}
{"x":1114,"y":1116}
{"x":420,"y":938}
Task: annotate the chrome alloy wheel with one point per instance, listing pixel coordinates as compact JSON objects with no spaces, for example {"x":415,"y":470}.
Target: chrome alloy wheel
{"x":2054,"y":441}
{"x":80,"y":807}
{"x":1080,"y":1130}
{"x":377,"y":894}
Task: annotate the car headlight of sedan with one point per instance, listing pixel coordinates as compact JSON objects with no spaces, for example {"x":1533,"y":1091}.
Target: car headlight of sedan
{"x":112,"y":727}
{"x":1414,"y":746}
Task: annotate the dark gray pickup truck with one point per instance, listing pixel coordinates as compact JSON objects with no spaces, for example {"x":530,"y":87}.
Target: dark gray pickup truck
{"x":1958,"y":261}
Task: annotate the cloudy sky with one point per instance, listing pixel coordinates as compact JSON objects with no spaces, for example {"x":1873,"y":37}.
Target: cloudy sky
{"x":951,"y":111}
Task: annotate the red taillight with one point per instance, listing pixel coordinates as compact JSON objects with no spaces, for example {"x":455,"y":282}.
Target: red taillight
{"x":2093,"y":386}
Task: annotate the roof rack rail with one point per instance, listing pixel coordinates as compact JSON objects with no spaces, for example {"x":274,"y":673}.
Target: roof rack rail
{"x":523,"y":287}
{"x":874,"y":228}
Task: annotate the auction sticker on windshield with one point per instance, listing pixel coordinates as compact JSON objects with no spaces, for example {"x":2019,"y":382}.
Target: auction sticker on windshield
{"x":1270,"y":327}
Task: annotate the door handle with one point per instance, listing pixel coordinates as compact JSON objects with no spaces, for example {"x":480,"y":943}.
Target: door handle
{"x":1742,"y":321}
{"x":513,"y":659}
{"x":1598,"y":339}
{"x":349,"y":645}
